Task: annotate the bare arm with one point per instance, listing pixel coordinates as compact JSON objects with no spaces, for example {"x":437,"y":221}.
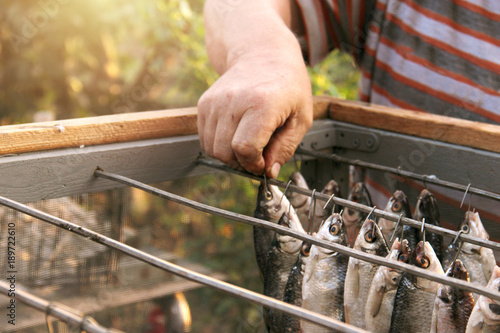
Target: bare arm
{"x":255,"y":115}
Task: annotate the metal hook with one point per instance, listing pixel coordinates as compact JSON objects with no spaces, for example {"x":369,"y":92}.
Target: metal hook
{"x":330,"y":199}
{"x":422,"y":231}
{"x":424,"y":181}
{"x":284,"y":192}
{"x":395,"y":229}
{"x":312,"y":209}
{"x":465,"y":194}
{"x":265,"y":184}
{"x":370,"y":214}
{"x":459,"y":247}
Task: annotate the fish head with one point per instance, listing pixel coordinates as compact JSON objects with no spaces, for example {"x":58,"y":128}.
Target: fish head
{"x":489,"y":307}
{"x":425,"y":257}
{"x":359,"y":194}
{"x":287,"y":243}
{"x":458,"y":270}
{"x":270,"y":203}
{"x":331,"y":188}
{"x":297,"y":199}
{"x":473,"y":226}
{"x":426,"y":207}
{"x":393,"y":276}
{"x":397,"y":204}
{"x":371,"y":240}
{"x":332,"y":229}
{"x":404,"y":252}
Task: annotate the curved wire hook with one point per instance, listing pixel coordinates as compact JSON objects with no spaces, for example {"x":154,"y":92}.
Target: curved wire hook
{"x":330,"y":199}
{"x":312,"y":209}
{"x":465,"y":194}
{"x":396,"y":228}
{"x":422,"y":231}
{"x":284,"y":192}
{"x":265,"y":184}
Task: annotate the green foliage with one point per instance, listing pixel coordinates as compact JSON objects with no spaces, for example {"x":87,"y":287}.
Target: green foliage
{"x":336,"y":76}
{"x":100,"y":57}
{"x":95,"y":57}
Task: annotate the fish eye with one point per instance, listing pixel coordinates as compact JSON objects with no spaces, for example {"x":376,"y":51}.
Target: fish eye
{"x":268,"y":195}
{"x":355,"y":197}
{"x":396,"y":207}
{"x":334,"y":229}
{"x":495,"y":308}
{"x":424,"y":262}
{"x":465,"y":228}
{"x":306,"y":249}
{"x":370,"y":237}
{"x":403,"y":257}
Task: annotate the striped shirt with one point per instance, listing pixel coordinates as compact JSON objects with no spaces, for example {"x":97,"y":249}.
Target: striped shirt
{"x":436,"y":56}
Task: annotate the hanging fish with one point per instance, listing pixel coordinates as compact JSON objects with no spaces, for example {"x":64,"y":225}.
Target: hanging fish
{"x":300,"y":202}
{"x":415,"y":296}
{"x":353,"y":219}
{"x":321,"y":213}
{"x":485,"y":316}
{"x":360,"y":273}
{"x":281,"y":258}
{"x":453,"y":306}
{"x":479,"y":261}
{"x":271,"y":204}
{"x":380,"y":301}
{"x":427,"y":208}
{"x":293,"y":289}
{"x":324,"y":276}
{"x":398,"y":204}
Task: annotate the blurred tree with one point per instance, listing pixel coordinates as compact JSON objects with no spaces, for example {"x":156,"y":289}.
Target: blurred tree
{"x":100,"y":57}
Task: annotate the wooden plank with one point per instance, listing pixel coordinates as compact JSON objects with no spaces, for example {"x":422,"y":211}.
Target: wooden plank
{"x":91,"y":131}
{"x":424,"y":125}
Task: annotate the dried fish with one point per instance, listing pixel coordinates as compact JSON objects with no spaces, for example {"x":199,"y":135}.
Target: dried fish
{"x":453,"y":306}
{"x":352,"y":218}
{"x":415,"y":295}
{"x":427,"y":208}
{"x":360,"y":273}
{"x":398,"y":204}
{"x":281,"y":258}
{"x":485,"y":316}
{"x":380,"y":301}
{"x":324,"y":276}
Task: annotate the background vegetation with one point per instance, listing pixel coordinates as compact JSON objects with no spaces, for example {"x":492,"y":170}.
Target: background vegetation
{"x":96,"y":57}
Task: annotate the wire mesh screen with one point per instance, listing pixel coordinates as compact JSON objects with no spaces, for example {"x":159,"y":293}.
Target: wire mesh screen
{"x":122,"y":292}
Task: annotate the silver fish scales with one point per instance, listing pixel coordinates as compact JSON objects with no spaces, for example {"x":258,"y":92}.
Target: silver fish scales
{"x":360,"y":273}
{"x":281,"y":257}
{"x":452,"y":306}
{"x":415,"y":296}
{"x":323,"y":284}
{"x":380,"y":301}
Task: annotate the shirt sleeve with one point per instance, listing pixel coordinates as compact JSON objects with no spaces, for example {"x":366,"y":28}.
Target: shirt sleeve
{"x":335,"y":24}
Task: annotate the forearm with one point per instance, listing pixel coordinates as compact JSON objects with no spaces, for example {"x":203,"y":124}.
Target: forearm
{"x":256,"y":28}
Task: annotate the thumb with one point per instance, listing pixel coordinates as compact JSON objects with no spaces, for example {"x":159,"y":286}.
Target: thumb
{"x":283,"y":144}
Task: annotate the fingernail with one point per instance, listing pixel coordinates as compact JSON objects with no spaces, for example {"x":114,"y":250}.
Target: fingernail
{"x":275,"y":170}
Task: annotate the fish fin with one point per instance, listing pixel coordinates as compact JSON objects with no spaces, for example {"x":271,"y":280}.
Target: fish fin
{"x":488,"y":262}
{"x":310,"y":271}
{"x":434,"y":320}
{"x":373,"y":307}
{"x":346,"y":313}
{"x":352,"y":281}
{"x":476,"y":321}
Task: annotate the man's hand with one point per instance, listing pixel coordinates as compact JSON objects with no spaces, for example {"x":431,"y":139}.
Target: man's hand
{"x":258,"y":111}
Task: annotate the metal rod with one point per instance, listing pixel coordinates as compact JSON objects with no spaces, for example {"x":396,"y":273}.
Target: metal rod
{"x":178,"y":270}
{"x":397,"y":171}
{"x":359,"y":207}
{"x":302,"y":236}
{"x":59,"y":311}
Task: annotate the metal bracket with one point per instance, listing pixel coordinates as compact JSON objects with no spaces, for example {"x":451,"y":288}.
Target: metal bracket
{"x":340,"y":138}
{"x":356,"y":140}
